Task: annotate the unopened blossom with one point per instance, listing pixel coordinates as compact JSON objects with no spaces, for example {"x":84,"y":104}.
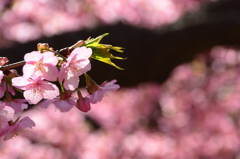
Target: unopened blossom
{"x":83,"y":104}
{"x":64,"y":103}
{"x":98,"y":94}
{"x":2,"y":90}
{"x":35,"y":89}
{"x":16,"y":128}
{"x":41,"y":65}
{"x":16,"y":104}
{"x":3,"y":61}
{"x":77,"y":64}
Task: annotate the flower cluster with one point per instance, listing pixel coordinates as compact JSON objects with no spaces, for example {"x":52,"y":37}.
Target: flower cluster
{"x":50,"y":77}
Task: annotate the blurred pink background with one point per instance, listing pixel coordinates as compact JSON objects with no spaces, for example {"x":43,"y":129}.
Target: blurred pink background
{"x":194,"y":114}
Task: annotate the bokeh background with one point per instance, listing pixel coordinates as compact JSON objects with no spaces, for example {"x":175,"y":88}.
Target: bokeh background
{"x":180,"y":90}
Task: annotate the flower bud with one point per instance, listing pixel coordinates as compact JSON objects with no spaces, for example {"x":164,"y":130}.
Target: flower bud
{"x":83,"y":104}
{"x":3,"y":61}
{"x":42,"y":46}
{"x":92,"y":86}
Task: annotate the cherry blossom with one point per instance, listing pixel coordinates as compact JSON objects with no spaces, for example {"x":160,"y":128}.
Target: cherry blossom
{"x":35,"y":89}
{"x":40,"y":70}
{"x":83,"y":104}
{"x":77,"y":64}
{"x":17,"y":104}
{"x":102,"y":89}
{"x":64,"y":103}
{"x":16,"y":128}
{"x":41,"y":65}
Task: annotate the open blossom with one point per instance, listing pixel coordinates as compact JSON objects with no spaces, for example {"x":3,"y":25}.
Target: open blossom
{"x":64,"y":103}
{"x":16,"y":128}
{"x":77,"y":64}
{"x":17,"y":104}
{"x":35,"y":89}
{"x":97,"y":95}
{"x":41,"y":65}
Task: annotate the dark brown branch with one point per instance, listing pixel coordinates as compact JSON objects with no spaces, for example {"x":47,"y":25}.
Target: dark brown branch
{"x":13,"y":65}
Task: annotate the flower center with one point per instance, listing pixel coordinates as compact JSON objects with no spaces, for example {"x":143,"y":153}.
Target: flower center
{"x":40,"y":66}
{"x":74,"y":70}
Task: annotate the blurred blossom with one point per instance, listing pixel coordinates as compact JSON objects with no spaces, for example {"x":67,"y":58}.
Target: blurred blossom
{"x":24,"y":20}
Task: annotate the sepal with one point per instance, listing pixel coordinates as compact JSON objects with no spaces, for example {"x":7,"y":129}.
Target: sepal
{"x":101,"y":52}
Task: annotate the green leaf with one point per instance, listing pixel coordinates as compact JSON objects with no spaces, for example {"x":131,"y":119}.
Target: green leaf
{"x":101,"y":51}
{"x":94,"y":42}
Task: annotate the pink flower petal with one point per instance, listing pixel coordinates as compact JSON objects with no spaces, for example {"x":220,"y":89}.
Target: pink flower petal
{"x":32,"y":95}
{"x":28,"y":70}
{"x":63,"y":105}
{"x":20,"y":82}
{"x":26,"y":122}
{"x":71,"y":83}
{"x":63,"y":72}
{"x":45,"y":104}
{"x":1,"y":75}
{"x":50,"y":58}
{"x":96,"y":96}
{"x":51,"y":72}
{"x":50,"y":90}
{"x":110,"y":86}
{"x":83,"y":53}
{"x":33,"y":56}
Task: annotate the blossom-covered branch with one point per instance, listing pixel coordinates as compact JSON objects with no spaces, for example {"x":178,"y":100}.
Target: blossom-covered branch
{"x":50,"y":77}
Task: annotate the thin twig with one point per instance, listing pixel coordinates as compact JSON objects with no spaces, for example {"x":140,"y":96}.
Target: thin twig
{"x":13,"y":65}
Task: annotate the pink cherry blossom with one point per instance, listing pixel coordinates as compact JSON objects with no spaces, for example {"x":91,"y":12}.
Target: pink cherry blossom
{"x":64,"y":102}
{"x":62,"y":105}
{"x":41,"y":65}
{"x":35,"y":89}
{"x":2,"y":90}
{"x":83,"y":104}
{"x":16,"y":128}
{"x":3,"y":119}
{"x":103,"y":88}
{"x":17,"y":104}
{"x":77,"y":64}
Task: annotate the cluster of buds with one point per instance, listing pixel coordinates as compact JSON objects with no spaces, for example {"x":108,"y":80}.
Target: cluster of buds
{"x":50,"y":77}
